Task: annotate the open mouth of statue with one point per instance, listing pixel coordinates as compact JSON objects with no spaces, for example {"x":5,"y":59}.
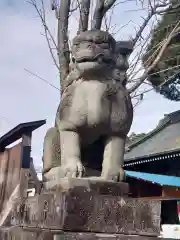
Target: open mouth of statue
{"x":99,"y":59}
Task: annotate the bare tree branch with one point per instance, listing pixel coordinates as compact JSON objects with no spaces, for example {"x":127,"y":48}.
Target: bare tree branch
{"x":102,"y":6}
{"x":84,"y":15}
{"x":63,"y":44}
{"x":151,"y":13}
{"x":157,"y":59}
{"x":137,"y":59}
{"x":154,"y":73}
{"x":139,"y":41}
{"x":47,"y":33}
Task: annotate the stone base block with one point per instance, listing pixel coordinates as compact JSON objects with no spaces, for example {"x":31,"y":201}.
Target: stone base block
{"x":20,"y":234}
{"x":88,"y":209}
{"x":94,"y":185}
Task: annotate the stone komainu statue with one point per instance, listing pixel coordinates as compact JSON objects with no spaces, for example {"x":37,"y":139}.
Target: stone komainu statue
{"x":95,"y":112}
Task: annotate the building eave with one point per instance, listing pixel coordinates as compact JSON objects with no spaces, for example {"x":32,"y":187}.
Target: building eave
{"x":17,"y":132}
{"x":152,"y":157}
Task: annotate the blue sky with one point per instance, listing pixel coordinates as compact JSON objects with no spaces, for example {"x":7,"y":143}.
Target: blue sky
{"x":24,"y":97}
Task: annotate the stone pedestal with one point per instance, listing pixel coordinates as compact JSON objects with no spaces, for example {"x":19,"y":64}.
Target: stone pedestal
{"x":19,"y":234}
{"x":86,"y":209}
{"x":93,"y":185}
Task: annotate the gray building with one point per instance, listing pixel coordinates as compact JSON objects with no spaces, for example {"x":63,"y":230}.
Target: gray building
{"x":159,"y":150}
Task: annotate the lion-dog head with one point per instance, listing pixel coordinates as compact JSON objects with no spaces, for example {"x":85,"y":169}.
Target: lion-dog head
{"x":93,"y":52}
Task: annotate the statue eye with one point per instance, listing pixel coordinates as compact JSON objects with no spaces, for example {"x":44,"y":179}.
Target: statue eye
{"x":104,"y":45}
{"x":89,"y":46}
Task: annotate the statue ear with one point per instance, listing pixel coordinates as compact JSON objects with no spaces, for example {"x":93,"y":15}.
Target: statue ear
{"x":124,"y":47}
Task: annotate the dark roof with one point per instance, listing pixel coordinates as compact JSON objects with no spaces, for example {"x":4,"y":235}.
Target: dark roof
{"x":164,"y":138}
{"x":155,"y":178}
{"x":17,"y":132}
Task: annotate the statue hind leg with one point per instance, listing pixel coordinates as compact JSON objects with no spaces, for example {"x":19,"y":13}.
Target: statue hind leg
{"x":51,"y":153}
{"x":71,"y":163}
{"x":113,"y":159}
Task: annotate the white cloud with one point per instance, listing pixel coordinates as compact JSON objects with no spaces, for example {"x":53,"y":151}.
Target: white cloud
{"x":26,"y":98}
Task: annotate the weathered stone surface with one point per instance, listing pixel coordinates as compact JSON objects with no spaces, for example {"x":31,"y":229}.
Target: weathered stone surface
{"x":96,"y":186}
{"x":95,"y":113}
{"x":19,"y":234}
{"x":84,"y":211}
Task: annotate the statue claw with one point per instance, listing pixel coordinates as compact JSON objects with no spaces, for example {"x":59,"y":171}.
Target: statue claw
{"x":74,"y":170}
{"x":116,"y":176}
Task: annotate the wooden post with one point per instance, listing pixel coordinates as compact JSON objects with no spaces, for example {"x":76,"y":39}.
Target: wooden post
{"x":25,"y":163}
{"x":26,"y":150}
{"x":21,"y":189}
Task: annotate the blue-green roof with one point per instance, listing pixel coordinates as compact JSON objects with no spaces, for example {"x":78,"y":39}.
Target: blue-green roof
{"x":155,"y":178}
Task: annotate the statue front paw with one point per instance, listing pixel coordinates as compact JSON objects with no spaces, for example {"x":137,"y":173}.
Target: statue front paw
{"x":116,"y":175}
{"x":73,"y":169}
{"x":112,"y":88}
